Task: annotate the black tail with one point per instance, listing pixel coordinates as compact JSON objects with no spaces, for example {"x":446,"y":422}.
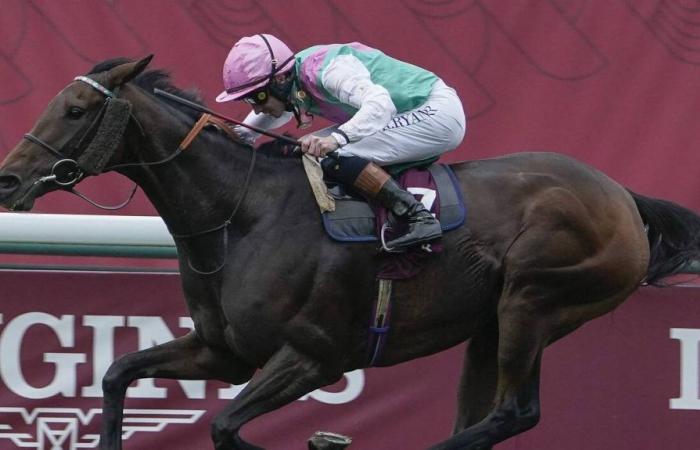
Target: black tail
{"x":674,"y":237}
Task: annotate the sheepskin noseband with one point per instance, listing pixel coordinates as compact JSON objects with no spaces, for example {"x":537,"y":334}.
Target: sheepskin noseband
{"x":108,"y":136}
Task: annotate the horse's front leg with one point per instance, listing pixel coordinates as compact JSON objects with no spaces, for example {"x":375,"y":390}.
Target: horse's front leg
{"x":286,"y":376}
{"x":183,"y":358}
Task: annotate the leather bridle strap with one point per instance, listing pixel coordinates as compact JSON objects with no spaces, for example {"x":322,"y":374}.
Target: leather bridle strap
{"x":196,"y":129}
{"x":41,"y":143}
{"x":204,"y":120}
{"x":226,"y":129}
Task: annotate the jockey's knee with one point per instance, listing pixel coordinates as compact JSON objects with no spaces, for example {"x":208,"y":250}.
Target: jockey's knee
{"x":345,"y":169}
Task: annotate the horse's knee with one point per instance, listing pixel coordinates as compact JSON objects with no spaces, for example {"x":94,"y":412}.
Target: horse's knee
{"x":115,"y":380}
{"x":530,"y":421}
{"x":527,"y":419}
{"x":514,"y":418}
{"x":221,"y":433}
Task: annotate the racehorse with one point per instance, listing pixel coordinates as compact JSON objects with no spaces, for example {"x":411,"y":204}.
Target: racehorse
{"x":549,"y":244}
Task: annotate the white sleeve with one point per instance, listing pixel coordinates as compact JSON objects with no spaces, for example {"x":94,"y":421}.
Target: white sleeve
{"x":264,"y":121}
{"x":349,"y":81}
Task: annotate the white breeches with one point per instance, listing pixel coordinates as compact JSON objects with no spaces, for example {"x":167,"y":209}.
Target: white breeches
{"x":435,"y":127}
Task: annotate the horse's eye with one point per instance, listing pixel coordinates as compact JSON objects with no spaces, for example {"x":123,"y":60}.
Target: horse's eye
{"x":75,"y":113}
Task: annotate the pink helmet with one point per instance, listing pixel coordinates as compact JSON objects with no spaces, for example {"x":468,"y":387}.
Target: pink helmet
{"x":251,"y":64}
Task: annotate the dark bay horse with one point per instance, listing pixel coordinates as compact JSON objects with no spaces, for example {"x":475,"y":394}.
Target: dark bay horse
{"x":549,"y":244}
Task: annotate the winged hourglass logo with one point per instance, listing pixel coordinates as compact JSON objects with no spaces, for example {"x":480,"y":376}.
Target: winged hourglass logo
{"x":59,"y":428}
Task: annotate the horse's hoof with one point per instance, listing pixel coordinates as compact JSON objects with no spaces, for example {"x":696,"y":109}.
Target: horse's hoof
{"x":323,"y":440}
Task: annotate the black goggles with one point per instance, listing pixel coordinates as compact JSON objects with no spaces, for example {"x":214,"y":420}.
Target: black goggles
{"x":258,"y":97}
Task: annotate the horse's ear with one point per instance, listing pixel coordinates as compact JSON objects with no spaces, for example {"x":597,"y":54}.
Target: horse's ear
{"x":127,"y":72}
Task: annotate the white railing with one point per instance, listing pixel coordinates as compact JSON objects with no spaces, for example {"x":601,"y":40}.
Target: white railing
{"x":85,"y":235}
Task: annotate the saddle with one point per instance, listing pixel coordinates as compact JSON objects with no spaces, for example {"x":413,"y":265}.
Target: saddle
{"x":355,"y":220}
{"x":348,"y":218}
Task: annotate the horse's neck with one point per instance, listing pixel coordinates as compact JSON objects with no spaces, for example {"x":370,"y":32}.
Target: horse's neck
{"x":200,"y":188}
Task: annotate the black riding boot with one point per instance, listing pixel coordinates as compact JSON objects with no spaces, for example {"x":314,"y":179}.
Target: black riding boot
{"x":422,"y":225}
{"x":374,"y":183}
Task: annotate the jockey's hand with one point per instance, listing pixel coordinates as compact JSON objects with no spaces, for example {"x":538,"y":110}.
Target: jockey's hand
{"x":318,"y":146}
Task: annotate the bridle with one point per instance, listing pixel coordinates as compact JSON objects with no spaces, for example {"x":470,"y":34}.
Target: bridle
{"x":67,"y":172}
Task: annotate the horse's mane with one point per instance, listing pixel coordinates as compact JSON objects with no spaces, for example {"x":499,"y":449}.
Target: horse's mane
{"x":277,"y":148}
{"x":158,"y":78}
{"x":155,"y":78}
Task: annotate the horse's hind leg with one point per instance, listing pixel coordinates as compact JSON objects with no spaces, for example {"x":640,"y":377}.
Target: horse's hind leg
{"x":286,"y":376}
{"x":515,"y":406}
{"x":477,"y":388}
{"x":183,"y":358}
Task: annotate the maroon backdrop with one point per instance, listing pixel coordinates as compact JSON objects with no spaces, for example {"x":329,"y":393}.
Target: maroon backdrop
{"x":609,"y":385}
{"x":612,"y":83}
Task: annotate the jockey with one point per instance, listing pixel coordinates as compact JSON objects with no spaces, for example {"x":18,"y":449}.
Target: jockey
{"x":387,"y":111}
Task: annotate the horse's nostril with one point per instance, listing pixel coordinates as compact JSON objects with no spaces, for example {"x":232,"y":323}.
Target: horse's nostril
{"x":9,"y":183}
